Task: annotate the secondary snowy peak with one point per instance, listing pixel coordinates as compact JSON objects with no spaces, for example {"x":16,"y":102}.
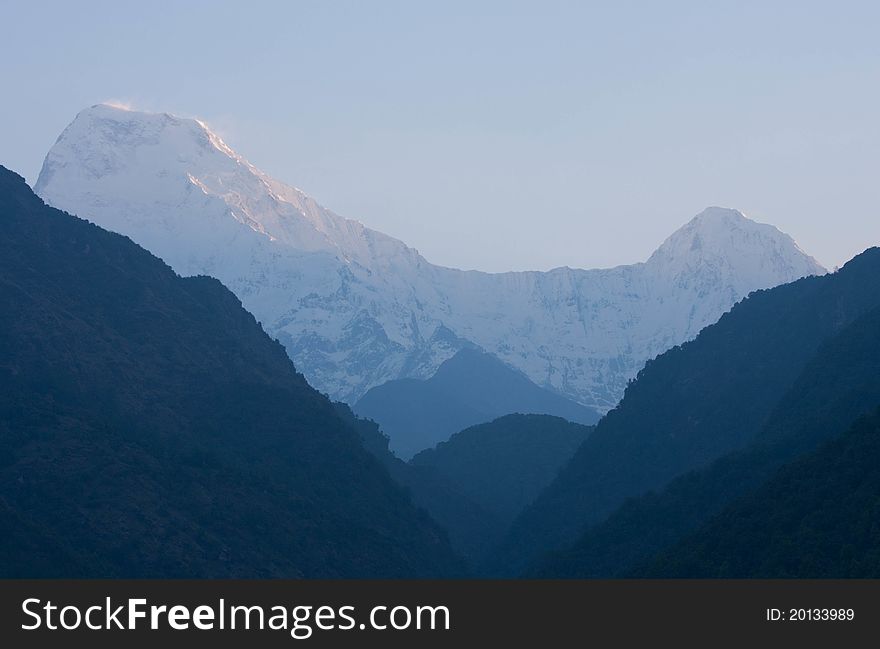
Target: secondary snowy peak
{"x":725,"y":241}
{"x":356,"y":308}
{"x":720,"y":231}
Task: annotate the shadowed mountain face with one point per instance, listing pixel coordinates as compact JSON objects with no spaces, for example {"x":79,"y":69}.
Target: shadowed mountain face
{"x":473,"y":529}
{"x":470,"y":388}
{"x":150,"y":428}
{"x":356,"y":308}
{"x":504,"y":464}
{"x":840,"y":383}
{"x":694,"y":404}
{"x":816,"y":518}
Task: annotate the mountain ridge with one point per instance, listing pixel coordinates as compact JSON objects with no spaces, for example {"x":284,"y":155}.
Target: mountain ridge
{"x":503,"y":464}
{"x":693,"y":404}
{"x":356,"y":308}
{"x":839,"y":383}
{"x":150,"y":428}
{"x":470,"y":388}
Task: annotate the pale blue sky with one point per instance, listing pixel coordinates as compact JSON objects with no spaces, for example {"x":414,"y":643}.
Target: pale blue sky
{"x":493,"y":135}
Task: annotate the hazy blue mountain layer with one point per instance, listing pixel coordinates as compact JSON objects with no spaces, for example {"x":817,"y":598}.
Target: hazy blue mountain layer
{"x":470,"y":388}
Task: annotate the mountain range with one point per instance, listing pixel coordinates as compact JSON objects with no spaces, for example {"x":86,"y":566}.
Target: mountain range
{"x":150,"y":427}
{"x":356,"y":308}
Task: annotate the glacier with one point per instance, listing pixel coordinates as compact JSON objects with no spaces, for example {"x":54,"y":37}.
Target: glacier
{"x":356,"y":308}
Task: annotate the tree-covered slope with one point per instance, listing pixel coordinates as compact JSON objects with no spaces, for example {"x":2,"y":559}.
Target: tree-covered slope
{"x":838,"y":385}
{"x":819,"y":517}
{"x":472,"y":529}
{"x":694,"y":404}
{"x":150,"y":428}
{"x":504,"y":464}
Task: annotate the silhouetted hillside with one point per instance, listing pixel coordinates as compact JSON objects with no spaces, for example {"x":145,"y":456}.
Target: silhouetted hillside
{"x":150,"y":428}
{"x":838,"y":385}
{"x":472,"y":529}
{"x":819,"y":517}
{"x":503,"y":465}
{"x":694,"y":404}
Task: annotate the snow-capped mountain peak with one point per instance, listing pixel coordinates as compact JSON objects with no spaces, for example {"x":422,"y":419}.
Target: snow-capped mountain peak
{"x":356,"y":308}
{"x":156,"y":160}
{"x":719,"y":231}
{"x":724,"y":245}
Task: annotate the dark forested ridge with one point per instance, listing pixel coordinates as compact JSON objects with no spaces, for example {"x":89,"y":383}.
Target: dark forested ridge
{"x":694,"y":404}
{"x":472,"y":529}
{"x":504,"y":464}
{"x":150,"y":428}
{"x":819,"y":517}
{"x":470,"y":388}
{"x":838,"y":385}
{"x":475,"y":483}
